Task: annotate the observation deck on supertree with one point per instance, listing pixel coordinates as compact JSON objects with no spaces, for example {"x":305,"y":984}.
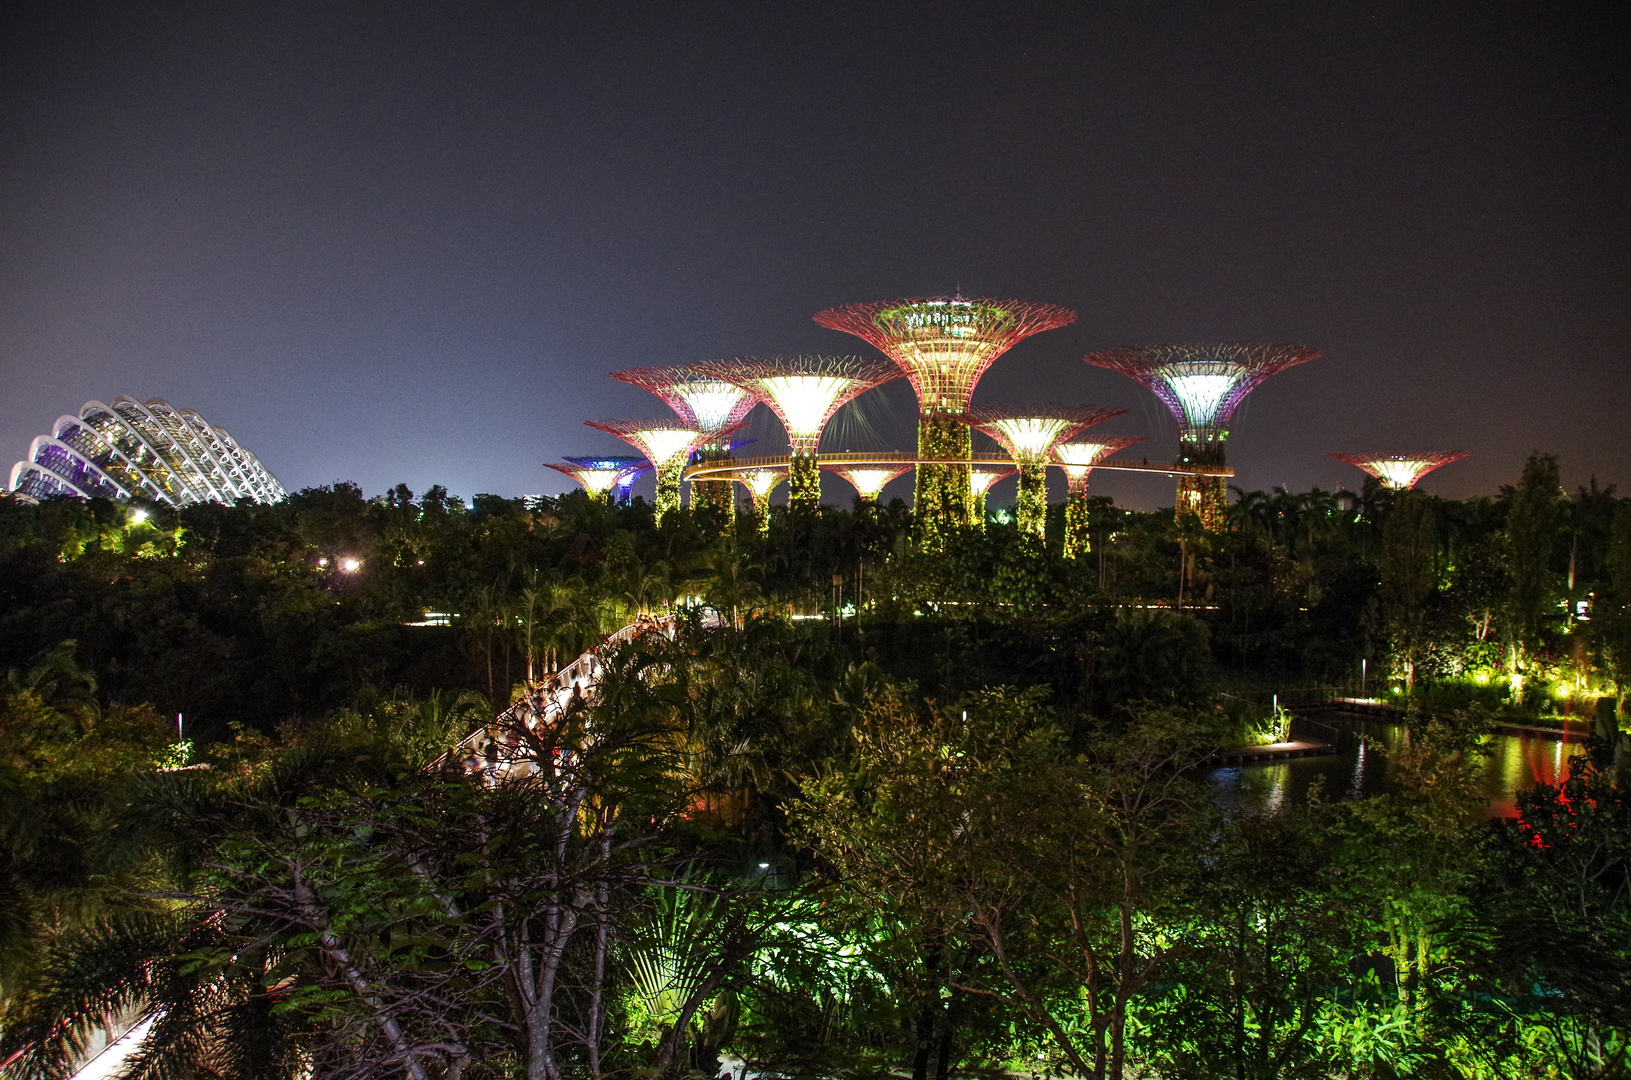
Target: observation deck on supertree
{"x":869,"y":480}
{"x":944,"y":344}
{"x":666,"y":444}
{"x":981,"y":479}
{"x":1401,"y":472}
{"x":1201,"y":385}
{"x":608,"y":478}
{"x":702,"y":398}
{"x":1028,"y":434}
{"x":1078,"y":459}
{"x":805,"y":392}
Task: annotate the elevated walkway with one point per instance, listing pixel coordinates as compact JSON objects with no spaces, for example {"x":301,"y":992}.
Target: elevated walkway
{"x":735,"y":468}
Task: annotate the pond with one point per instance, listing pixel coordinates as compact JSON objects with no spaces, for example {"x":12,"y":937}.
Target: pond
{"x":1519,"y":760}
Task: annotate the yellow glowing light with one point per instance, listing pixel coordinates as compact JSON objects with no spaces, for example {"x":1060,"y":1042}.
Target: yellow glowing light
{"x":1030,"y":436}
{"x":667,"y":446}
{"x":762,"y":482}
{"x":350,"y":566}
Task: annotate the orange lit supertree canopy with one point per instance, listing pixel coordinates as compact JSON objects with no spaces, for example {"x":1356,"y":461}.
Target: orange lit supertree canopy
{"x":606,"y":477}
{"x":1028,"y":434}
{"x":667,"y":443}
{"x":1401,"y":472}
{"x":709,"y":403}
{"x":1202,"y":385}
{"x":804,"y":392}
{"x":1078,"y":459}
{"x":944,"y":344}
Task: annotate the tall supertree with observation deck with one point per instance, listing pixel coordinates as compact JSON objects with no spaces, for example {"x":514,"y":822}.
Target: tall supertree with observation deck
{"x":804,"y":392}
{"x":944,"y":344}
{"x":1202,"y":385}
{"x":1029,"y":434}
{"x":1078,"y":459}
{"x":1401,"y":472}
{"x":701,"y":398}
{"x":667,"y":444}
{"x":606,"y":478}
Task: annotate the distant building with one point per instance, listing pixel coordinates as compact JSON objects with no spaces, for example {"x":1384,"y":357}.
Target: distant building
{"x":154,"y":452}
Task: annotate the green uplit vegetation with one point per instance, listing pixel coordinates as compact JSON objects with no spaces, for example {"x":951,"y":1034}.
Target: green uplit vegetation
{"x":877,"y":806}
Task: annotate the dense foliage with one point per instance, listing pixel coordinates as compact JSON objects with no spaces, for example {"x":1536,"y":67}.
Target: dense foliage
{"x":865,"y":808}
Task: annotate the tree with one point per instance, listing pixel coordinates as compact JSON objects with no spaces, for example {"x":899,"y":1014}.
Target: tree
{"x":1409,"y":566}
{"x":1532,"y":533}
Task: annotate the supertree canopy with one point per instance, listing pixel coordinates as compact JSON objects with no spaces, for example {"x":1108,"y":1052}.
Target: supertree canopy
{"x":1028,"y":434}
{"x":702,"y":398}
{"x":944,"y":344}
{"x":1078,"y":459}
{"x":869,"y":480}
{"x":1201,"y":385}
{"x":805,"y":391}
{"x":760,"y":483}
{"x":606,"y":477}
{"x":1401,"y":471}
{"x":981,"y":479}
{"x":666,"y":443}
{"x":155,"y":452}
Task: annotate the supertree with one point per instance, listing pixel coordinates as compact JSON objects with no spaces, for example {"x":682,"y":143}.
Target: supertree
{"x":608,"y":478}
{"x":981,"y":479}
{"x":1201,"y":385}
{"x":666,"y":443}
{"x":1401,"y":471}
{"x":707,"y":402}
{"x":944,"y":344}
{"x":1078,"y":459}
{"x":1028,"y":434}
{"x":804,"y":391}
{"x":760,"y":483}
{"x":869,"y":480}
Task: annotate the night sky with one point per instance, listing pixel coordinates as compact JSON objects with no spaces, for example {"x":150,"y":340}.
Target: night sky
{"x":401,"y":242}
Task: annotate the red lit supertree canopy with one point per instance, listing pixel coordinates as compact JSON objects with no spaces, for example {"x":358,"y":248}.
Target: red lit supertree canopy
{"x":696,"y":392}
{"x":1028,"y":433}
{"x":1202,"y":384}
{"x":804,"y":391}
{"x":869,"y":480}
{"x":1078,"y":458}
{"x":944,"y":343}
{"x":667,"y":443}
{"x":1401,"y":471}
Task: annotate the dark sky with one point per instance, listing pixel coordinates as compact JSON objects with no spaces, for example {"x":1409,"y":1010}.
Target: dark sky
{"x":404,"y":242}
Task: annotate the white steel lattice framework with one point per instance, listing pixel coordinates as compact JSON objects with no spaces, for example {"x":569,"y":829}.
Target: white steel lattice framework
{"x":153,"y":451}
{"x":944,"y":344}
{"x":1077,"y":460}
{"x":805,"y":392}
{"x":1029,"y":434}
{"x":1401,"y":471}
{"x":1201,"y":385}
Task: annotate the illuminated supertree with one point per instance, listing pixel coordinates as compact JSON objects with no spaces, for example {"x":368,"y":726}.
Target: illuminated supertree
{"x":707,"y":402}
{"x":608,"y":478}
{"x":760,"y":483}
{"x":1201,"y":385}
{"x":944,"y":344}
{"x":1078,"y":459}
{"x":869,"y":480}
{"x":1401,"y":471}
{"x":666,"y":443}
{"x":981,"y":479}
{"x":804,"y":391}
{"x":1028,"y":434}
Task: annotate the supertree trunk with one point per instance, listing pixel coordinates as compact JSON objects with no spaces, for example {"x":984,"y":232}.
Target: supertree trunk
{"x":1078,"y":532}
{"x":1207,"y":497}
{"x":943,"y":497}
{"x":761,"y":513}
{"x":668,"y":489}
{"x":804,"y":484}
{"x":1031,"y":505}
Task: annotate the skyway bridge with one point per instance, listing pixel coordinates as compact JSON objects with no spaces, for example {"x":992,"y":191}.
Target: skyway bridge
{"x":738,"y":468}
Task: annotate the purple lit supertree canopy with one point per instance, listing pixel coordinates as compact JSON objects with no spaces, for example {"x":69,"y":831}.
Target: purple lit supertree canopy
{"x":1401,"y":471}
{"x":608,"y":477}
{"x":1202,"y":385}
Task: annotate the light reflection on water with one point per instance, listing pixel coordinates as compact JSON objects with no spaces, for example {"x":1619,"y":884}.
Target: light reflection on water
{"x":1518,"y":761}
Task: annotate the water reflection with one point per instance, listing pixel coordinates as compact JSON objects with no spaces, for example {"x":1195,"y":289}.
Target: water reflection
{"x":1518,"y":761}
